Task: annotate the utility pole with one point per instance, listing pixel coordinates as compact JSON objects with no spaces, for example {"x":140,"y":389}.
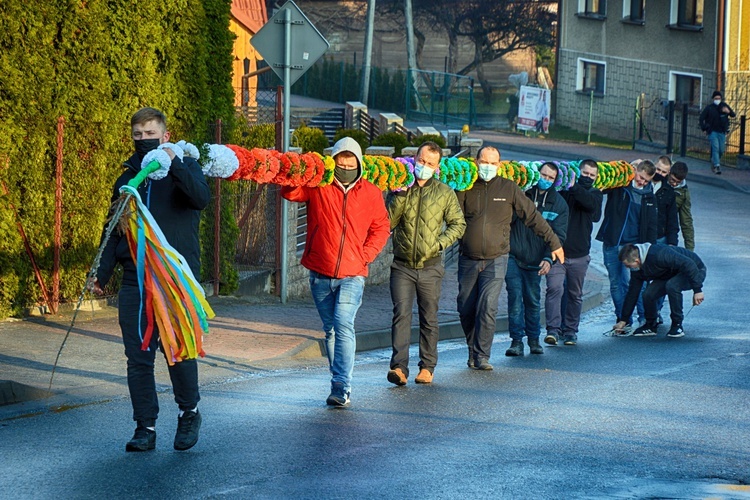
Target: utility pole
{"x":411,"y":54}
{"x":364,"y":89}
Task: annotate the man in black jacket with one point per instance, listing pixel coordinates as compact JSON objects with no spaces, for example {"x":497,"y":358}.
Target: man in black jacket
{"x":629,"y":217}
{"x":565,"y":280}
{"x":669,"y":270}
{"x":175,"y":203}
{"x":530,"y":259}
{"x":667,"y":225}
{"x":714,"y":122}
{"x":489,"y":207}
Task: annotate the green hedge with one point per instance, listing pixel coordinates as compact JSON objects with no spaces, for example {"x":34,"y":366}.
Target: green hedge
{"x":94,"y":63}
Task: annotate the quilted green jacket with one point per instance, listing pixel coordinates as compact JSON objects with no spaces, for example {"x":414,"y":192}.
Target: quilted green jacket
{"x":425,"y":220}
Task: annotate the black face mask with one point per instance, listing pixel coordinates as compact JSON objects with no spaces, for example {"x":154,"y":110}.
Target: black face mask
{"x":658,"y":178}
{"x":143,"y":146}
{"x":345,"y":176}
{"x":585,"y":182}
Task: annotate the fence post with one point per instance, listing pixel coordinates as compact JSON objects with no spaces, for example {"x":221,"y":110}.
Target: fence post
{"x":58,"y":217}
{"x":591,"y":112}
{"x":640,"y":115}
{"x":670,"y":128}
{"x":217,"y":219}
{"x":684,"y":130}
{"x":743,"y":122}
{"x":341,"y":81}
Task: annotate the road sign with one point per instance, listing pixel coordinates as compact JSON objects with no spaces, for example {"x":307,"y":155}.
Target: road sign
{"x":306,"y":46}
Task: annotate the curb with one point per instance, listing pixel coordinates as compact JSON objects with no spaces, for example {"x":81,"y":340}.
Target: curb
{"x":381,"y":339}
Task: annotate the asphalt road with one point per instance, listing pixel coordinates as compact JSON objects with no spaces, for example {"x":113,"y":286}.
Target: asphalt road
{"x":608,"y":418}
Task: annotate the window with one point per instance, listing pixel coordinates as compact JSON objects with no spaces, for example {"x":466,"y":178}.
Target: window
{"x":591,"y":76}
{"x":592,"y":9}
{"x":686,"y":14}
{"x":634,"y":12}
{"x":685,"y":88}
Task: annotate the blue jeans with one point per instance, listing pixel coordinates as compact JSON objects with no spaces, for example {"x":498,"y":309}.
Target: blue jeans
{"x":717,"y":141}
{"x":338,"y":301}
{"x":524,"y":295}
{"x":479,"y":285}
{"x":619,"y":280}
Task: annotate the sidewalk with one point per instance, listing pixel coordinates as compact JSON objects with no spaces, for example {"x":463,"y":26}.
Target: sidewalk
{"x":251,"y":335}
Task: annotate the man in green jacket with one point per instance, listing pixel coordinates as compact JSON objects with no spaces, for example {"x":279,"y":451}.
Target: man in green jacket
{"x":678,"y":180}
{"x":425,"y":220}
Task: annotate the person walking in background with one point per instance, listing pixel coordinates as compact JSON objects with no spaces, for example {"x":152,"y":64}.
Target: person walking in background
{"x":666,"y":207}
{"x":714,"y":122}
{"x":678,"y":180}
{"x":347,"y":227}
{"x":425,"y":219}
{"x":565,"y":280}
{"x":175,"y":203}
{"x":531,"y":258}
{"x":630,"y":216}
{"x":489,"y":207}
{"x":668,"y":270}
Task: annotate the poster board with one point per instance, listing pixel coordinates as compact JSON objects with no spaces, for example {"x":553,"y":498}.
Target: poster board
{"x":534,"y":105}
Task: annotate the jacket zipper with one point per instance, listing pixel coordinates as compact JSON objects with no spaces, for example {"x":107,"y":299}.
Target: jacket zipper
{"x":343,"y":235}
{"x":416,"y":228}
{"x":484,"y":221}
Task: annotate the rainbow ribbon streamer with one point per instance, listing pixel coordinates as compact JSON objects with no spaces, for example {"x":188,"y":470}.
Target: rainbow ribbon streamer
{"x":173,"y":298}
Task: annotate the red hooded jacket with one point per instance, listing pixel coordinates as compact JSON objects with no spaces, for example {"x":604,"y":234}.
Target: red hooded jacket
{"x":346,"y":230}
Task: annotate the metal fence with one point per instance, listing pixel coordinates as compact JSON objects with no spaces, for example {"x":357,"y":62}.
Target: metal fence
{"x":437,"y":97}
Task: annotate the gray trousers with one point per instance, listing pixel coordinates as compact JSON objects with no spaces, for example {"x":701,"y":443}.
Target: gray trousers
{"x":565,"y":295}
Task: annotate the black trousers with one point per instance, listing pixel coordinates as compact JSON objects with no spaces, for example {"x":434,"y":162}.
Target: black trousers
{"x":141,"y":381}
{"x":425,"y":284}
{"x":673,"y":289}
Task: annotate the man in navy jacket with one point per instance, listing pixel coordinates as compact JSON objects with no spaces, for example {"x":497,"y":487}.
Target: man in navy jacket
{"x":668,"y":270}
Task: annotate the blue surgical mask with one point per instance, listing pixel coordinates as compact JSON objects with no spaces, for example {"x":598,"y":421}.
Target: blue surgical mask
{"x":487,"y":171}
{"x":635,"y":269}
{"x":423,"y":172}
{"x":544,"y":184}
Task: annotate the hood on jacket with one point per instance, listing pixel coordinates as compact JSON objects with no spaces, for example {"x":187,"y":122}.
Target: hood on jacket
{"x":643,"y":250}
{"x":353,"y":147}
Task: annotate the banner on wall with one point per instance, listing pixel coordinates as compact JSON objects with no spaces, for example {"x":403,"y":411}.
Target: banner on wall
{"x":533,"y":109}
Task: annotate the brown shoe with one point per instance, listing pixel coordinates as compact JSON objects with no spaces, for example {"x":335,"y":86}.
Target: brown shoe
{"x":424,"y":377}
{"x":397,"y":376}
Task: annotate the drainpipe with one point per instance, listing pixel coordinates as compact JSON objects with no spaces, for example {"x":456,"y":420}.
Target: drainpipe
{"x":720,"y":33}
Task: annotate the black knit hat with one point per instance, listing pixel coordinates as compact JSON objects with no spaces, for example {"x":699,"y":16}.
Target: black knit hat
{"x":716,"y":93}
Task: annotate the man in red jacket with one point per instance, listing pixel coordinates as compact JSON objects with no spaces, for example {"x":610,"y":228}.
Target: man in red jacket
{"x":347,"y":227}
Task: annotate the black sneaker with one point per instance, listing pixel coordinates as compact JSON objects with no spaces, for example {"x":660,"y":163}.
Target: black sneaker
{"x":338,"y":397}
{"x":483,"y":364}
{"x":716,"y":169}
{"x":570,"y":339}
{"x":188,"y":426}
{"x":676,"y":332}
{"x":551,"y":339}
{"x":647,"y":330}
{"x":535,"y":347}
{"x":515,"y":349}
{"x":470,"y":362}
{"x":143,"y":440}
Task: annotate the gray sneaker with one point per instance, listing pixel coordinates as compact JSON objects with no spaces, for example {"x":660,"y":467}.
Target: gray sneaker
{"x":338,"y":398}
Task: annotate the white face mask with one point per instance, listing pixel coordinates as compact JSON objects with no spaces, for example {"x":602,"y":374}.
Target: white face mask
{"x":717,"y":101}
{"x":487,"y":171}
{"x":423,"y":172}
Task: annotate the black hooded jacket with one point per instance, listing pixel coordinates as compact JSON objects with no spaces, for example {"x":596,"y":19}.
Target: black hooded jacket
{"x":175,"y":203}
{"x":525,"y":246}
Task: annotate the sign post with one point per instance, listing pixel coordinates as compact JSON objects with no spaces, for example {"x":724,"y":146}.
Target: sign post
{"x":290,"y":44}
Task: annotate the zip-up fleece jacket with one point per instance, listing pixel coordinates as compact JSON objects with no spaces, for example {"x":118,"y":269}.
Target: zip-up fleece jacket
{"x":712,"y":119}
{"x":585,"y":207}
{"x":616,"y":214}
{"x":526,"y":247}
{"x":663,"y":262}
{"x":666,"y":209}
{"x":175,"y":202}
{"x":418,"y":215}
{"x":346,"y":228}
{"x":488,"y":208}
